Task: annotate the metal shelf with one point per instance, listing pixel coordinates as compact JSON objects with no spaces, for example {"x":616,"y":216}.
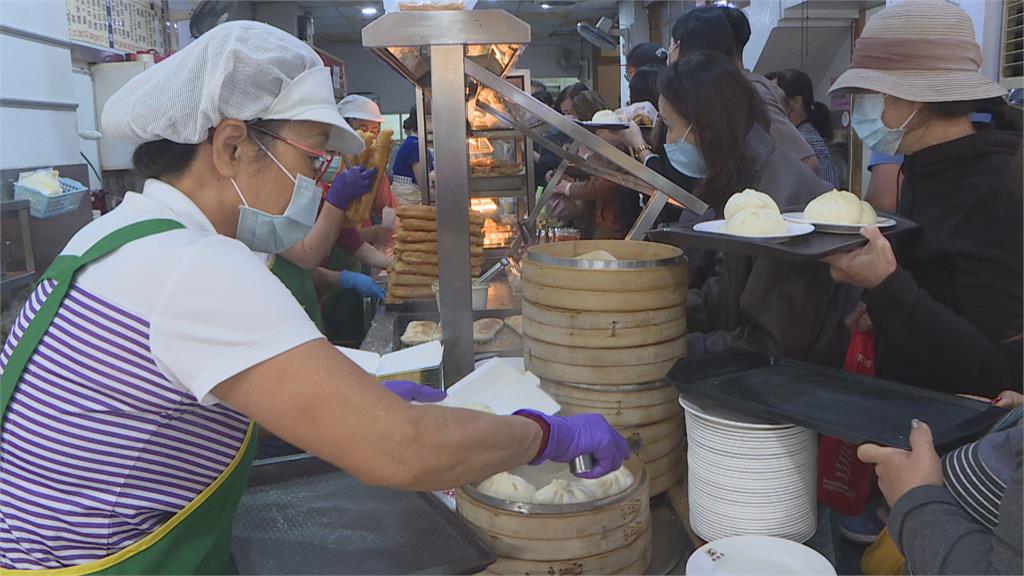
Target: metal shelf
{"x":497,"y":193}
{"x":496,"y":133}
{"x":497,"y":183}
{"x":15,"y":280}
{"x":13,"y":205}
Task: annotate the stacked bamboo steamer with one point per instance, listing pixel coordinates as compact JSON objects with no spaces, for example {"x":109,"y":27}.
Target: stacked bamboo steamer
{"x":601,"y":334}
{"x":608,"y":536}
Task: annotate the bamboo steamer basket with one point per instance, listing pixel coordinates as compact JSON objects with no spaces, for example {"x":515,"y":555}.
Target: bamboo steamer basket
{"x":649,"y":434}
{"x":640,"y":266}
{"x":600,"y":320}
{"x":665,"y":481}
{"x":606,"y":536}
{"x":617,"y":561}
{"x":667,"y":462}
{"x":646,"y":276}
{"x":546,"y":549}
{"x":626,"y":406}
{"x":605,"y":357}
{"x":598,"y":301}
{"x":662,"y":446}
{"x":598,"y":375}
{"x":612,"y":337}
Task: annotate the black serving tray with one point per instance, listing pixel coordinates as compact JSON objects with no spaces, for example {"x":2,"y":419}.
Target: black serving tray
{"x":808,"y":248}
{"x":830,"y":401}
{"x":304,"y":516}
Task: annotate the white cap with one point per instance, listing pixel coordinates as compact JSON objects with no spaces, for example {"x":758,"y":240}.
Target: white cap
{"x":240,"y":70}
{"x":361,"y":107}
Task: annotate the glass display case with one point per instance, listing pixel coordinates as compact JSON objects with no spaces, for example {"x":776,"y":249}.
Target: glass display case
{"x":501,"y":172}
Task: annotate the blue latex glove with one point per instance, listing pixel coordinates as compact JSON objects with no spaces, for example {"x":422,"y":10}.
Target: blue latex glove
{"x":413,"y":392}
{"x":360,"y":283}
{"x":349,"y":186}
{"x":570,"y":436}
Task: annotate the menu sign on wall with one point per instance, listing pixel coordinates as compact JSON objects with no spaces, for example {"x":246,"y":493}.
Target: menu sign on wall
{"x":127,"y":25}
{"x":89,"y":21}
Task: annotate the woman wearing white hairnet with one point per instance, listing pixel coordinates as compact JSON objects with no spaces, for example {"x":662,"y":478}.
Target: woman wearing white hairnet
{"x":134,"y":375}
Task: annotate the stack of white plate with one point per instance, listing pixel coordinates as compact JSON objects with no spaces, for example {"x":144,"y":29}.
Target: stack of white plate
{"x":747,"y":477}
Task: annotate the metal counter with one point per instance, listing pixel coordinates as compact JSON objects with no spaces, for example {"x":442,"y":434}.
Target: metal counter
{"x":381,"y":336}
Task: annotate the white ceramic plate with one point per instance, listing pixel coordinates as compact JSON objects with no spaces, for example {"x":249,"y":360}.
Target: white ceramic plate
{"x":798,"y":218}
{"x":743,"y":555}
{"x":741,"y":423}
{"x":793,"y":230}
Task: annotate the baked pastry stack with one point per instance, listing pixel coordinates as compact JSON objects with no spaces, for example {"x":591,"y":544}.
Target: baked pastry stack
{"x":415,"y":265}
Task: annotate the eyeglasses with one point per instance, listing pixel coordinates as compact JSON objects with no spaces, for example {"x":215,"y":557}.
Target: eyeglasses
{"x":321,"y":158}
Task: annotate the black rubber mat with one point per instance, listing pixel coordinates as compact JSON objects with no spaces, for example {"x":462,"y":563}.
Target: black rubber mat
{"x":306,"y":517}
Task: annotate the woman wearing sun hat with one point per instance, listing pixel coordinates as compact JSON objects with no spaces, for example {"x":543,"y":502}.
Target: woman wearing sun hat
{"x":946,"y":305}
{"x":134,"y":376}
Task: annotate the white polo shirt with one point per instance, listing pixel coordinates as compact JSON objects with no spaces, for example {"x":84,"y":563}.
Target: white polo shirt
{"x":213,"y":307}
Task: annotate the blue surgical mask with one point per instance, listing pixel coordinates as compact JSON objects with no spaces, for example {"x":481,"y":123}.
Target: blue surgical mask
{"x":333,"y":169}
{"x":867,"y":123}
{"x":686,"y":157}
{"x":273,"y":234}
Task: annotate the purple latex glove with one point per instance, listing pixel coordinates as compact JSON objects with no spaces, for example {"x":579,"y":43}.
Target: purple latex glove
{"x":413,"y":392}
{"x":349,"y":186}
{"x":570,"y":436}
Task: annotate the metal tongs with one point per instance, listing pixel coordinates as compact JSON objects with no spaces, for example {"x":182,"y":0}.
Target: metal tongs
{"x":585,"y":462}
{"x":514,"y":255}
{"x":492,"y":271}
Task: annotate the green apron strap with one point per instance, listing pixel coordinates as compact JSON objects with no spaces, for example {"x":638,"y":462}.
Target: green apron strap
{"x":299,"y":282}
{"x":63,"y":271}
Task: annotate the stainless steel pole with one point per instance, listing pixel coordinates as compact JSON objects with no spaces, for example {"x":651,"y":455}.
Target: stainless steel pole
{"x":448,"y":110}
{"x":423,"y":168}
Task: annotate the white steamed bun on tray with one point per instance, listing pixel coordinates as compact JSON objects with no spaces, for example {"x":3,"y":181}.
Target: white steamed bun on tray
{"x":840,"y":207}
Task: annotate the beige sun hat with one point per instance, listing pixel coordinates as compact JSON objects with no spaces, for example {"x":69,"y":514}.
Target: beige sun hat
{"x":919,"y":50}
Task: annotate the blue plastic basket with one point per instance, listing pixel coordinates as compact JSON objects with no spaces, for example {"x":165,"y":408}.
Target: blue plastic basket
{"x":44,"y":206}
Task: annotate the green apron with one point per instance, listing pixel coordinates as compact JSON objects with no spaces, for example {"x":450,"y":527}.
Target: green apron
{"x":299,"y":282}
{"x":197,"y":539}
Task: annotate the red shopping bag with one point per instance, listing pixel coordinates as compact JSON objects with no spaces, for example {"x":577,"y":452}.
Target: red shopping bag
{"x":844,"y":482}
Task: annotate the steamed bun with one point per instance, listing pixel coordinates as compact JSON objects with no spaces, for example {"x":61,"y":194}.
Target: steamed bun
{"x":749,"y":198}
{"x":508,"y":487}
{"x":868,"y":216}
{"x":835,"y":207}
{"x":607,"y":485}
{"x":561,"y":492}
{"x":605,"y":117}
{"x":756,"y":222}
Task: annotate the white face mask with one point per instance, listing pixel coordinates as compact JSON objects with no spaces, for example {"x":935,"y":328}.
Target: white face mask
{"x":867,"y":123}
{"x":275,"y":233}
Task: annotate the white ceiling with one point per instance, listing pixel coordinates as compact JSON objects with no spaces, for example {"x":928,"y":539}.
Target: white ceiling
{"x":342,"y":21}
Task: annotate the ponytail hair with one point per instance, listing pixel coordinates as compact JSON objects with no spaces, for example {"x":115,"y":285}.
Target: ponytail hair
{"x":821,"y":118}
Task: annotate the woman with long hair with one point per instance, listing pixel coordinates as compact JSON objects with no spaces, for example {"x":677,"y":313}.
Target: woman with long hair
{"x":812,"y":119}
{"x":716,"y":134}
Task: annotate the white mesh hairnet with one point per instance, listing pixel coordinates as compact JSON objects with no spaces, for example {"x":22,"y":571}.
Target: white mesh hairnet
{"x":360,"y":107}
{"x":241,"y":70}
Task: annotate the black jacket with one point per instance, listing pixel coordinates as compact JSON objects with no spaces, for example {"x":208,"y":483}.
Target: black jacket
{"x":950,"y":317}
